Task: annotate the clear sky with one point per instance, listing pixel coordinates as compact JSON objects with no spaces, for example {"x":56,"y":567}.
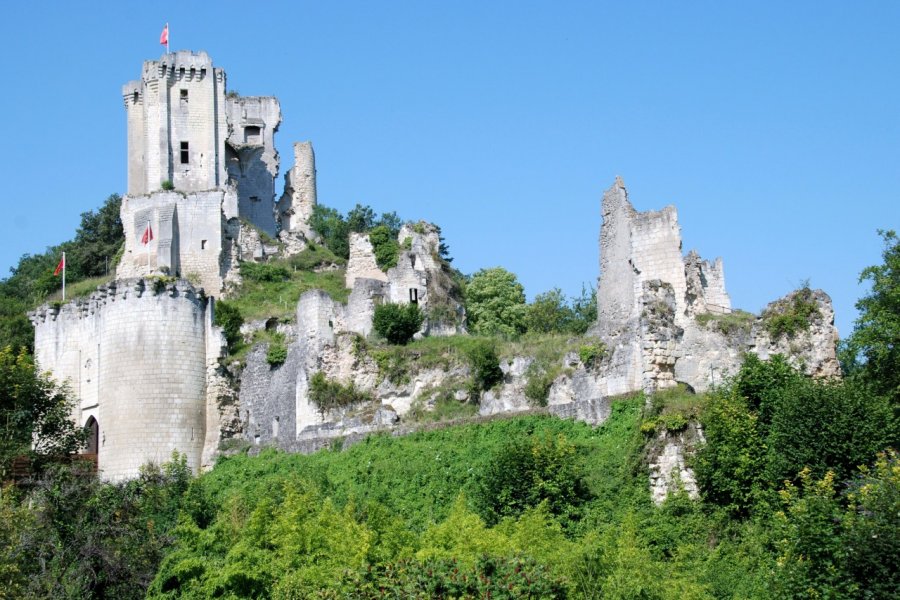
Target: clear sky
{"x":773,"y":127}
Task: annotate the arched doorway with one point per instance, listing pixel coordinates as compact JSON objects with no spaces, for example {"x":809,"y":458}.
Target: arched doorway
{"x":93,"y":436}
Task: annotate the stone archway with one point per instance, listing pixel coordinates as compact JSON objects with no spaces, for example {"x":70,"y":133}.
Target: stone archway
{"x":93,"y":436}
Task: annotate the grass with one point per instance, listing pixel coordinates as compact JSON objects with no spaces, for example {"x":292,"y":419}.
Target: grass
{"x":263,"y":299}
{"x":446,"y":407}
{"x":80,"y":289}
{"x":671,"y":410}
{"x":792,"y":315}
{"x":737,"y":321}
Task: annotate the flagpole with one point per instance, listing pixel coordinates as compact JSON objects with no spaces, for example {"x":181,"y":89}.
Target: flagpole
{"x":64,"y":277}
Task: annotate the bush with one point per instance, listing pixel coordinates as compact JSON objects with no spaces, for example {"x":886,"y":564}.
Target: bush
{"x":327,"y":394}
{"x":791,"y":315}
{"x":167,"y":185}
{"x":589,"y":353}
{"x":486,"y":372}
{"x":277,"y":352}
{"x":385,"y":247}
{"x":264,"y":272}
{"x":524,"y":473}
{"x":397,"y":323}
{"x":230,"y":320}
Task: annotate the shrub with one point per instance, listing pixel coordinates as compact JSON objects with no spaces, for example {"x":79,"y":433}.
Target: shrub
{"x":277,"y":352}
{"x":264,"y":272}
{"x":539,"y":381}
{"x":167,"y":185}
{"x":524,"y":473}
{"x":589,"y":353}
{"x":327,"y":394}
{"x":385,"y":247}
{"x":791,"y":315}
{"x":486,"y":372}
{"x":230,"y":320}
{"x":397,"y":323}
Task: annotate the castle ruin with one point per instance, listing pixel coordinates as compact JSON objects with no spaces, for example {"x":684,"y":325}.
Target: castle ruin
{"x":144,"y":360}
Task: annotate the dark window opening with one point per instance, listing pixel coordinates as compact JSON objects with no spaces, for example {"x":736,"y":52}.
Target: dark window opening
{"x":203,"y":244}
{"x":185,"y":154}
{"x":135,"y":97}
{"x":413,"y":295}
{"x":183,"y":95}
{"x":251,"y":134}
{"x":254,"y":198}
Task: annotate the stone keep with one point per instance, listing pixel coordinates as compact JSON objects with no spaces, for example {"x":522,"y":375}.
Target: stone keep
{"x":217,"y":149}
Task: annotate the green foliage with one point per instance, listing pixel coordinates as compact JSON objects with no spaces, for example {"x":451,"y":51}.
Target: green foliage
{"x":167,"y":185}
{"x":445,"y":408}
{"x":335,"y":229}
{"x":495,"y":303}
{"x":385,"y":246}
{"x":265,"y":272}
{"x":327,"y":394}
{"x":486,"y":372}
{"x":76,"y":537}
{"x":523,"y":474}
{"x":277,"y":352}
{"x":397,"y":323}
{"x":159,"y":283}
{"x":313,"y":257}
{"x":539,"y":380}
{"x":771,"y":423}
{"x":34,"y":414}
{"x":792,"y":315}
{"x":551,"y":313}
{"x":733,"y":323}
{"x":589,"y":354}
{"x":872,"y":352}
{"x":228,"y":317}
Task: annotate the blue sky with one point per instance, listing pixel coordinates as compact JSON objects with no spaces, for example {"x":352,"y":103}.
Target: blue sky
{"x":774,"y":127}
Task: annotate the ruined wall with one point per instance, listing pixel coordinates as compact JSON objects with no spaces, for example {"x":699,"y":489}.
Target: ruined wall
{"x":180,"y":99}
{"x":362,"y":264}
{"x":252,"y":160}
{"x":299,"y":198}
{"x":135,"y":359}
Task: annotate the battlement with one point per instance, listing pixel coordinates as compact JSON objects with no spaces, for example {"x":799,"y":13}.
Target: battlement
{"x":121,"y":290}
{"x":180,"y":65}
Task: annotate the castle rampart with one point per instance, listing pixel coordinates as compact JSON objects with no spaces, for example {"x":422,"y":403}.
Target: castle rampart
{"x":134,"y":357}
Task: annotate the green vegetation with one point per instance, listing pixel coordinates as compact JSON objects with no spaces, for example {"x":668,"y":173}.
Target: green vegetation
{"x":277,"y":351}
{"x":335,"y":229}
{"x":793,"y":315}
{"x":167,"y":185}
{"x":872,"y":353}
{"x":495,"y":303}
{"x":590,"y":354}
{"x":551,"y":313}
{"x":385,"y":246}
{"x":735,"y":322}
{"x":272,"y":289}
{"x":485,"y":365}
{"x":397,"y":323}
{"x":229,"y":318}
{"x":327,"y":394}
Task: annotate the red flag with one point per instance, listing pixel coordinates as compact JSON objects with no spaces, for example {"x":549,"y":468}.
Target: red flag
{"x":148,"y":235}
{"x":164,"y":36}
{"x":60,"y":266}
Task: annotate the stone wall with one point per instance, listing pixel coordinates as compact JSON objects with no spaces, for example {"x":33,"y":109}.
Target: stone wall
{"x":135,"y":358}
{"x":299,"y":199}
{"x":188,"y":236}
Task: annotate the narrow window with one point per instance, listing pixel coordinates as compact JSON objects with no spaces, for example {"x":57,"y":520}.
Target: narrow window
{"x":413,"y":295}
{"x":184,"y":95}
{"x":254,"y":199}
{"x":135,"y":97}
{"x":203,"y":244}
{"x":185,"y":154}
{"x":251,"y":134}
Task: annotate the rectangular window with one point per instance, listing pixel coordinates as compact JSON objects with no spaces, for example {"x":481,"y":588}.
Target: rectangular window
{"x":203,"y":244}
{"x":413,"y":295}
{"x":185,"y":154}
{"x":183,"y":95}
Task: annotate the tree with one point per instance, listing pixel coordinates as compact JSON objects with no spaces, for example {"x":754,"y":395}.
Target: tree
{"x":34,"y":413}
{"x":397,"y":323}
{"x":495,"y":303}
{"x":876,"y":333}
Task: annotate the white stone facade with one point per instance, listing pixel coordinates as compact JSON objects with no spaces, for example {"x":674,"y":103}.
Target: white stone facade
{"x":134,"y":356}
